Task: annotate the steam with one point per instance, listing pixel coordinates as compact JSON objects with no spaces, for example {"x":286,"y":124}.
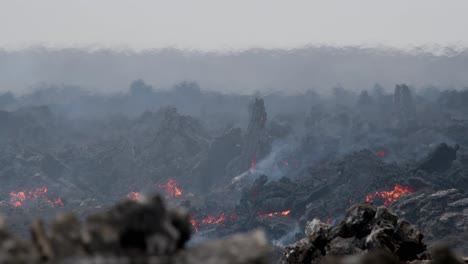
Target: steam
{"x":108,"y":71}
{"x":270,"y":165}
{"x":288,"y":238}
{"x":152,"y":132}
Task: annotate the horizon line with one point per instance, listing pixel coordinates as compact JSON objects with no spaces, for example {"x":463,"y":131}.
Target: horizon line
{"x":422,"y":49}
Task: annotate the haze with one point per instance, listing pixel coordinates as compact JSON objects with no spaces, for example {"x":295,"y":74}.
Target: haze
{"x":226,"y":25}
{"x":336,"y":129}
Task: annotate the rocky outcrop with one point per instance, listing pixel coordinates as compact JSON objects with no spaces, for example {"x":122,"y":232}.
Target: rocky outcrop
{"x":366,"y":228}
{"x":130,"y":232}
{"x":441,"y":215}
{"x":403,"y":103}
{"x":439,"y":160}
{"x":253,"y":140}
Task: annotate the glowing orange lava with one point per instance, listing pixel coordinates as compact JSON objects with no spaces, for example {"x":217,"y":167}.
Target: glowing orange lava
{"x":389,"y":196}
{"x":171,"y":187}
{"x":285,"y":212}
{"x":58,"y":201}
{"x":17,"y":198}
{"x":209,"y":220}
{"x":193,"y":222}
{"x":134,"y":196}
{"x":212,"y":219}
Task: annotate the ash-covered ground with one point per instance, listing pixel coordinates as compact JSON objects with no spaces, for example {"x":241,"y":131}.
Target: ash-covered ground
{"x":239,"y":163}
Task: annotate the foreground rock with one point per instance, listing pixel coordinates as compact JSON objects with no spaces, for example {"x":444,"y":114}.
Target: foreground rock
{"x":129,"y":232}
{"x":441,"y":215}
{"x":365,"y":228}
{"x":439,"y":255}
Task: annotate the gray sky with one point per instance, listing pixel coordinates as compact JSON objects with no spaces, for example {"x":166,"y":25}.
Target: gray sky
{"x":233,"y":24}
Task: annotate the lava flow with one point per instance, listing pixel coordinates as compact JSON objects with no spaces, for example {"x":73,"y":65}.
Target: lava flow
{"x":285,"y":212}
{"x":171,"y":187}
{"x":134,"y":196}
{"x":389,"y":196}
{"x":17,"y":198}
{"x":212,"y":219}
{"x":208,"y":220}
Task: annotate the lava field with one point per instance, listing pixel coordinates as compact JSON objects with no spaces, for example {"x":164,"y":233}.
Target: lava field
{"x":351,"y":168}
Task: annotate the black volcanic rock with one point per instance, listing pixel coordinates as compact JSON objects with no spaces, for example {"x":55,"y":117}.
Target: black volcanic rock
{"x":365,"y":228}
{"x":440,"y":159}
{"x":130,"y":232}
{"x":441,"y":215}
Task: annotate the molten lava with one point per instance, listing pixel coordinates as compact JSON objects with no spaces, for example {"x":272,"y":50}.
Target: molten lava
{"x":209,"y":220}
{"x":18,"y":198}
{"x":134,"y":196}
{"x":171,"y":187}
{"x":193,"y":222}
{"x":389,"y":196}
{"x":212,"y":219}
{"x":285,"y":212}
{"x":58,"y":201}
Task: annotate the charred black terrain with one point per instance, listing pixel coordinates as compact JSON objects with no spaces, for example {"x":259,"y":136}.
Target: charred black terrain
{"x":236,"y":164}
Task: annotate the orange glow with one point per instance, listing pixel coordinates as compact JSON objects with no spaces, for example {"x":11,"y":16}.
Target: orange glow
{"x":207,"y":220}
{"x":285,"y":212}
{"x":134,"y":196}
{"x":212,"y":219}
{"x":389,"y":196}
{"x":17,"y":198}
{"x":58,"y":201}
{"x":171,"y":187}
{"x":193,"y":222}
{"x":38,"y":192}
